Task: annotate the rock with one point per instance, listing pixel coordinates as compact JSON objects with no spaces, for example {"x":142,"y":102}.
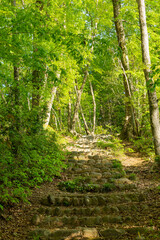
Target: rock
{"x":112,"y":219}
{"x":123,"y":181}
{"x":96,"y":175}
{"x":96,"y":157}
{"x":49,"y":211}
{"x":36,"y":219}
{"x":51,"y":199}
{"x":94,"y":201}
{"x":97,"y":210}
{"x":65,"y":234}
{"x":89,"y":221}
{"x":101,"y":200}
{"x":57,"y":211}
{"x":74,"y":220}
{"x":66,"y":201}
{"x":87,"y":201}
{"x":136,"y":230}
{"x":58,"y":201}
{"x":90,"y":233}
{"x":45,"y":202}
{"x":112,"y":209}
{"x":97,"y":170}
{"x":107,"y":174}
{"x":75,"y":201}
{"x":88,"y":211}
{"x":112,"y":233}
{"x":98,"y":220}
{"x":39,"y":233}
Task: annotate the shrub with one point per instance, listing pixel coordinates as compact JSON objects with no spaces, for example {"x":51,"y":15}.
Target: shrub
{"x":116,"y":164}
{"x":157,"y":160}
{"x":38,"y":158}
{"x":107,"y":187}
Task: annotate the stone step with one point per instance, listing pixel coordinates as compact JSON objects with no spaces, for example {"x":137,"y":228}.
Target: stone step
{"x":132,"y":233}
{"x":128,"y":209}
{"x":79,"y":211}
{"x":92,"y":199}
{"x":74,"y":221}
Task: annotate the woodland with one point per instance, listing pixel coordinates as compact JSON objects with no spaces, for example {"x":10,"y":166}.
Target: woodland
{"x":69,"y":68}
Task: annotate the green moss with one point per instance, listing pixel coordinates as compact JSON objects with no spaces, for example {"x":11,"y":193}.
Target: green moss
{"x":108,"y":187}
{"x":116,"y":164}
{"x":132,"y":176}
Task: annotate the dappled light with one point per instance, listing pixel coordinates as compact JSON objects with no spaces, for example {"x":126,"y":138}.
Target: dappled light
{"x":79,"y":120}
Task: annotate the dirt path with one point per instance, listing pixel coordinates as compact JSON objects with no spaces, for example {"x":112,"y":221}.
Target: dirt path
{"x":130,"y":193}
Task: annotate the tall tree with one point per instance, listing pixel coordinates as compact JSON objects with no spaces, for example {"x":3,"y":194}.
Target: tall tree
{"x":152,"y":96}
{"x":130,"y":120}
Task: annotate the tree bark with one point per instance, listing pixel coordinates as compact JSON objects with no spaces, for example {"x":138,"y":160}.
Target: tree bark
{"x":49,"y":105}
{"x":69,"y":112}
{"x":152,"y":97}
{"x":94,"y":108}
{"x":79,"y":94}
{"x":130,"y":122}
{"x":84,"y":121}
{"x":83,"y":117}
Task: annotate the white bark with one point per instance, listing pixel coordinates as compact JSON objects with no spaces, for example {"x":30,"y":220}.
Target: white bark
{"x":152,"y":97}
{"x":94,"y":108}
{"x":49,"y":105}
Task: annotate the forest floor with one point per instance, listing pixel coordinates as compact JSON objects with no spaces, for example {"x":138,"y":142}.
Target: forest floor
{"x":16,"y":223}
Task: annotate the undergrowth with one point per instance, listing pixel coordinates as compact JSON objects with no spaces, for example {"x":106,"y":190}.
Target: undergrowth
{"x":38,"y":158}
{"x":84,"y":184}
{"x":115,"y":145}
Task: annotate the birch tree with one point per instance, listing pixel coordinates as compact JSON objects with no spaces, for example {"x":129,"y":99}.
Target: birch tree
{"x":152,"y":96}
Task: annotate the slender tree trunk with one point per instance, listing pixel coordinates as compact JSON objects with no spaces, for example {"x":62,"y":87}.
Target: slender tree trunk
{"x":57,"y":122}
{"x":69,"y":112}
{"x":94,"y":107}
{"x":83,"y":117}
{"x":129,"y":125}
{"x":36,"y":88}
{"x":84,"y":121}
{"x":79,"y":123}
{"x":49,"y":105}
{"x":152,"y":97}
{"x":78,"y":101}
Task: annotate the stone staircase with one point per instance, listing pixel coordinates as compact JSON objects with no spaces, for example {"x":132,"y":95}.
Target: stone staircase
{"x":96,"y":200}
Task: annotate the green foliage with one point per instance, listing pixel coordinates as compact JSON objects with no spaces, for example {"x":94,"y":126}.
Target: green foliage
{"x":114,"y":144}
{"x":80,"y":184}
{"x":132,"y":176}
{"x":100,"y":130}
{"x":116,"y":164}
{"x":157,"y":160}
{"x":144,"y":145}
{"x":38,"y":159}
{"x":108,"y":187}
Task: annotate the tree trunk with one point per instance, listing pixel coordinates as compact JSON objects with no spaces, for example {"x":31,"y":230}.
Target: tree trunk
{"x":129,"y":125}
{"x":83,"y":117}
{"x":49,"y":105}
{"x":84,"y":121}
{"x":69,"y":112}
{"x":94,"y":108}
{"x":79,"y":94}
{"x":79,"y":123}
{"x":152,"y":97}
